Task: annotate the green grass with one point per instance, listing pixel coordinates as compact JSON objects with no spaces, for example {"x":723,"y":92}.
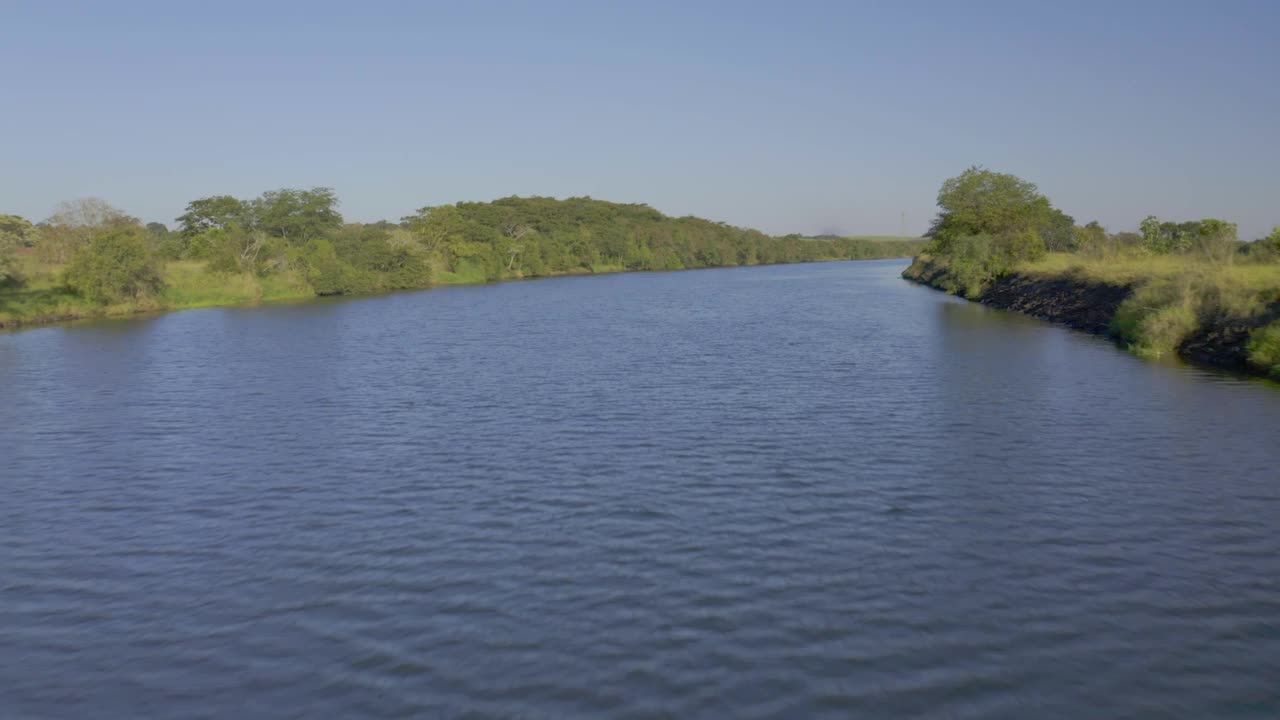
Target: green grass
{"x":42,"y":298}
{"x":469,"y":274}
{"x":1264,"y":349}
{"x":1175,"y":296}
{"x":466,"y":274}
{"x":1157,"y":318}
{"x":190,"y":285}
{"x":1133,"y":270}
{"x":886,"y":238}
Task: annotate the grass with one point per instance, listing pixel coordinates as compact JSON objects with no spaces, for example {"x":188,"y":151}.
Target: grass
{"x":1264,"y":349}
{"x":885,"y":238}
{"x":189,"y":285}
{"x":42,"y":298}
{"x":469,"y":274}
{"x":466,"y":274}
{"x":1133,"y":270}
{"x":1175,"y":296}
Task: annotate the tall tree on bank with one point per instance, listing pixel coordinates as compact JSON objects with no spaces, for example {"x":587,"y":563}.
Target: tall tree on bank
{"x":115,"y":266}
{"x":219,"y":212}
{"x":989,"y":221}
{"x":17,"y":229}
{"x":74,"y":224}
{"x":297,"y":216}
{"x":15,"y":232}
{"x":8,"y":258}
{"x":982,"y":202}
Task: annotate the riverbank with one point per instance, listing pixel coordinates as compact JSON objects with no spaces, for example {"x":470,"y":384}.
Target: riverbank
{"x":1225,"y":316}
{"x":43,"y":299}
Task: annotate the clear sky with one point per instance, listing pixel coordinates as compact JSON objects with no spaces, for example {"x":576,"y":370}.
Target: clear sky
{"x":787,"y":116}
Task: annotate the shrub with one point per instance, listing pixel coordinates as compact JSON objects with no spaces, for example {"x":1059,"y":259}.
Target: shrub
{"x":1264,"y":349}
{"x":1157,"y":318}
{"x":329,"y":274}
{"x":8,"y":258}
{"x":1272,"y":241}
{"x":114,"y":267}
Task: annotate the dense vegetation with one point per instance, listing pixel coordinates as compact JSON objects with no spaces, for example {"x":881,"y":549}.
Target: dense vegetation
{"x":89,"y":258}
{"x":1187,"y":278}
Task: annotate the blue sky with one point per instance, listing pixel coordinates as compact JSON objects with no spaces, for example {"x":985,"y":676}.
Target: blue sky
{"x":797,"y":116}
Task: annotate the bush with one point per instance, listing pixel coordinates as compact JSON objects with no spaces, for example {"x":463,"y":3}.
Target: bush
{"x":1264,"y":349}
{"x":115,"y":266}
{"x":1163,"y":313}
{"x":329,"y":274}
{"x":324,"y":271}
{"x":976,"y":260}
{"x":8,"y":258}
{"x":971,"y":266}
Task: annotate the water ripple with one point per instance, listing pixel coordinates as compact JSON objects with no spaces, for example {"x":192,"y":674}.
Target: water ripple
{"x":811,"y":491}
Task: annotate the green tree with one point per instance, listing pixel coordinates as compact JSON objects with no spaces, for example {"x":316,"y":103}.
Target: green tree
{"x":114,"y":266}
{"x":1058,"y":230}
{"x":74,"y":224}
{"x":1092,"y":239}
{"x":15,"y":232}
{"x":218,"y":212}
{"x":233,"y":250}
{"x":165,"y":243}
{"x":8,"y":258}
{"x":18,"y":230}
{"x":1151,"y":236}
{"x":1217,"y":240}
{"x":984,"y":202}
{"x":297,"y":216}
{"x":328,"y":273}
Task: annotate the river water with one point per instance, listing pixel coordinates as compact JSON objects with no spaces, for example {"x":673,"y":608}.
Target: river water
{"x":793,"y":491}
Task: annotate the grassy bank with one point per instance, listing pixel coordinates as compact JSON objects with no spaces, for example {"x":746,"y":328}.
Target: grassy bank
{"x":43,"y":297}
{"x":90,"y":259}
{"x":1222,"y":313}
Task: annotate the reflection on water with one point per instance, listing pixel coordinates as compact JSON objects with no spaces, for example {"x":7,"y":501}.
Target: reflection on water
{"x":763,"y":492}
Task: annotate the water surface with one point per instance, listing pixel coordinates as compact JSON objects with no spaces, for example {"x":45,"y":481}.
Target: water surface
{"x":796,"y":491}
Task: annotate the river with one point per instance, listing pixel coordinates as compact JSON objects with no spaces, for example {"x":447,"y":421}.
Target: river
{"x":789,"y":491}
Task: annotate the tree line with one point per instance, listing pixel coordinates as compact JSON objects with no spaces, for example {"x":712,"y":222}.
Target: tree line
{"x":109,"y":256}
{"x":987,"y":222}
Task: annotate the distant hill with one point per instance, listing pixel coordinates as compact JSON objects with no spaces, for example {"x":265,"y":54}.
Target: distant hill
{"x":540,"y":235}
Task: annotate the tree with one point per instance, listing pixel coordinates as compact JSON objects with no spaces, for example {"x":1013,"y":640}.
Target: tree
{"x":1166,"y":237}
{"x":15,"y":232}
{"x":513,"y":232}
{"x":18,"y":230}
{"x":89,"y":212}
{"x":73,"y":225}
{"x":980,"y":201}
{"x":233,"y":250}
{"x":8,"y":258}
{"x":1150,"y":229}
{"x":1092,"y":239}
{"x":114,"y":266}
{"x":1058,"y":230}
{"x":297,"y":216}
{"x":1217,"y":239}
{"x":220,"y":212}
